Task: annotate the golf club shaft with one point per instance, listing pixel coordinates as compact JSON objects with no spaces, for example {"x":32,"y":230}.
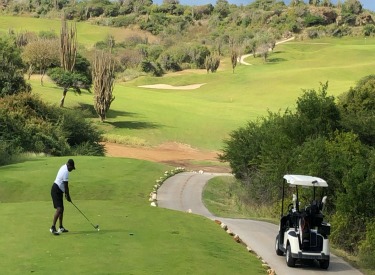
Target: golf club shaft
{"x":83,"y":215}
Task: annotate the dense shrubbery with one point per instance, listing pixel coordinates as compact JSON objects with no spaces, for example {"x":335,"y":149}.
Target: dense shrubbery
{"x":11,"y":66}
{"x":28,"y":124}
{"x":321,"y":138}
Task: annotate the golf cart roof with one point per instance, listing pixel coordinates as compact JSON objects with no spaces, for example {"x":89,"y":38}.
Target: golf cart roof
{"x":309,"y":181}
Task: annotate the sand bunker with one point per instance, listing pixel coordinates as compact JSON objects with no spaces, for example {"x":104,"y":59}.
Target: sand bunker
{"x":170,"y":87}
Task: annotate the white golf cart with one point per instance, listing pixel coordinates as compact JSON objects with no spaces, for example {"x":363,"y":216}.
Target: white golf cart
{"x":303,"y":235}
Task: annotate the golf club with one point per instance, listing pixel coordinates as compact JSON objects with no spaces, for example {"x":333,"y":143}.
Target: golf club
{"x":95,"y":226}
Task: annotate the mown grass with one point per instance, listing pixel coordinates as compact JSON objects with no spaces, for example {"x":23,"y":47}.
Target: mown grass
{"x":204,"y":117}
{"x":112,"y":192}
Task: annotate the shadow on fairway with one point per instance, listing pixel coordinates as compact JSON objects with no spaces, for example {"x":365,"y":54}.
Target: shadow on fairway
{"x":134,"y":125}
{"x":276,"y":60}
{"x":111,"y":113}
{"x":22,"y":159}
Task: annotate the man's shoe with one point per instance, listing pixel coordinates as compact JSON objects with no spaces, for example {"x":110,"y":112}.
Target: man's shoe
{"x":54,"y":231}
{"x":63,"y":230}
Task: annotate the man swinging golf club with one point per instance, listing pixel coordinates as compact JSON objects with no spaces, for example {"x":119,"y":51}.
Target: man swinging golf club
{"x":59,"y":187}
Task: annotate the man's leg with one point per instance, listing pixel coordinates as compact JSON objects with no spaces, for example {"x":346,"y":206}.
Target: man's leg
{"x":58,"y":215}
{"x":61,"y":218}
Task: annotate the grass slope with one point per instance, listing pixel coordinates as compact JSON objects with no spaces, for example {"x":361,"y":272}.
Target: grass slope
{"x":87,"y":34}
{"x":112,"y":192}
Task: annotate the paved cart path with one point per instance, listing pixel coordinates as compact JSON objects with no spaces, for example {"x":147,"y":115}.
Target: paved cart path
{"x":183,"y":192}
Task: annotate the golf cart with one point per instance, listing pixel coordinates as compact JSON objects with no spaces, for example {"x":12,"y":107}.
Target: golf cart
{"x":303,"y":235}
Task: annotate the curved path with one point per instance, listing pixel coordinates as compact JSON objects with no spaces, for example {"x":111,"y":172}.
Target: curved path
{"x":183,"y":192}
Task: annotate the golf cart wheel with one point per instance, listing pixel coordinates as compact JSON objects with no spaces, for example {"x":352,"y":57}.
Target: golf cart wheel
{"x":324,"y":264}
{"x":278,"y":251}
{"x":290,"y":261}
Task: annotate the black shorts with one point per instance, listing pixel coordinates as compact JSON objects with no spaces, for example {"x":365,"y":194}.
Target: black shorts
{"x":57,"y":196}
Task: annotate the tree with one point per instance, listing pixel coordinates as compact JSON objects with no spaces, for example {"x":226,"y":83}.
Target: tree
{"x":317,"y":112}
{"x":11,"y":66}
{"x":233,"y":59}
{"x":357,"y":108}
{"x":263,"y":51}
{"x":68,"y":51}
{"x":351,"y":7}
{"x":103,"y":72}
{"x":314,"y":2}
{"x":222,"y":8}
{"x":40,"y":55}
{"x":67,"y":80}
{"x":212,"y":62}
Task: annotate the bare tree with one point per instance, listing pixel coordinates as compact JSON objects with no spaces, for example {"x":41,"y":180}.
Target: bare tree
{"x":263,"y":50}
{"x":233,"y":59}
{"x":40,"y":55}
{"x":68,"y":46}
{"x":68,"y":50}
{"x":103,"y":75}
{"x":212,"y":62}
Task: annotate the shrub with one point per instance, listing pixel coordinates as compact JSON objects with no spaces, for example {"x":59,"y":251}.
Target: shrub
{"x":7,"y":152}
{"x":367,"y":247}
{"x":124,"y":20}
{"x":313,"y":20}
{"x":368,"y":30}
{"x":33,"y":126}
{"x":79,"y":132}
{"x":26,"y":120}
{"x":151,"y":67}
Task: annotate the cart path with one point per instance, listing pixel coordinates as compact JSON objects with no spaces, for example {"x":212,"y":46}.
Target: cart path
{"x":183,"y":192}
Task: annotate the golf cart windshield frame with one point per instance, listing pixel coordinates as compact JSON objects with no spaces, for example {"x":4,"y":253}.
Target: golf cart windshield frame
{"x":303,"y":180}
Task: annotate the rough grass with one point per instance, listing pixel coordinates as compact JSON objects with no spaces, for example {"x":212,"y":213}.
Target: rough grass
{"x":112,"y":192}
{"x":220,"y":196}
{"x":87,"y":34}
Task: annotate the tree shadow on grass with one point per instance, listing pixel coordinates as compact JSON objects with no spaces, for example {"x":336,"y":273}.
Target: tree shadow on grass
{"x":134,"y":124}
{"x":275,"y":60}
{"x":89,"y":112}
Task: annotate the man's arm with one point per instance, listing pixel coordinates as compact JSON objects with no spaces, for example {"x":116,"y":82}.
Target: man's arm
{"x":67,"y":194}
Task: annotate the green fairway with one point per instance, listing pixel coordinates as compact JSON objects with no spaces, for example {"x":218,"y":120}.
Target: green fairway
{"x":205,"y":116}
{"x":112,"y":192}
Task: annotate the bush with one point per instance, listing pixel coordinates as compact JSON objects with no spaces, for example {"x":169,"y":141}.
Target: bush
{"x":368,"y":30}
{"x":367,"y":247}
{"x":79,"y":132}
{"x":313,"y":20}
{"x":11,"y":77}
{"x":25,"y":120}
{"x":7,"y":152}
{"x":124,"y":20}
{"x":151,"y":67}
{"x":34,"y":126}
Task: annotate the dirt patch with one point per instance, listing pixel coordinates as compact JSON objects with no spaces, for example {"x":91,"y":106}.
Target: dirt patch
{"x":171,"y":153}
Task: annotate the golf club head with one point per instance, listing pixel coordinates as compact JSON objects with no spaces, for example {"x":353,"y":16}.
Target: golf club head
{"x":96,"y":227}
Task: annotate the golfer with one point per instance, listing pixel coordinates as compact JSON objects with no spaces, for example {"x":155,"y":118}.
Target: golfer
{"x":59,"y":187}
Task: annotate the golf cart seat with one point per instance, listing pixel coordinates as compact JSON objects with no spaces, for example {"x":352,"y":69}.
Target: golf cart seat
{"x":286,"y":222}
{"x":314,"y":214}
